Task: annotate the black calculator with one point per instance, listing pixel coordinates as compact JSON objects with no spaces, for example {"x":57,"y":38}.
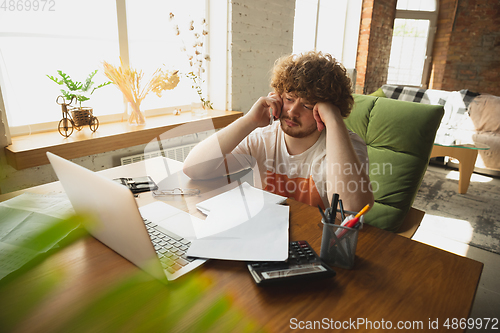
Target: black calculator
{"x":302,"y":263}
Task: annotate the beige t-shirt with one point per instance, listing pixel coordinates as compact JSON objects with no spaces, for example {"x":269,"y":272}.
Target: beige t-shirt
{"x":302,"y":176}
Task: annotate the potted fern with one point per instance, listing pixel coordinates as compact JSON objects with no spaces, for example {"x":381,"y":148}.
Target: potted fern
{"x":80,"y":91}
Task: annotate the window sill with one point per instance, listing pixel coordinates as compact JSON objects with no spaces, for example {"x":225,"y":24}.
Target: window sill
{"x":28,"y":151}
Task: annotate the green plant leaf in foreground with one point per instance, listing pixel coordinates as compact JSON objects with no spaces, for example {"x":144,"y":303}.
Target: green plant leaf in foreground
{"x":135,"y":303}
{"x":14,"y":306}
{"x":140,"y":303}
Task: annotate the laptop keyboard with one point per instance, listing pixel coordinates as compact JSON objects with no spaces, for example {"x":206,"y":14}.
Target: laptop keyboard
{"x":171,"y":248}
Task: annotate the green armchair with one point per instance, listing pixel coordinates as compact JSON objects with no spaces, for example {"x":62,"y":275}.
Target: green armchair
{"x":399,"y":136}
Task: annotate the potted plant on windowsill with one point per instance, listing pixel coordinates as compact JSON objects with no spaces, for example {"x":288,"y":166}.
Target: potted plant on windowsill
{"x":80,"y":91}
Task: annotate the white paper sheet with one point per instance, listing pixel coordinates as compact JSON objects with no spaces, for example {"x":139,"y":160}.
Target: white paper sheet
{"x":24,"y":217}
{"x":55,"y":205}
{"x":231,"y":208}
{"x":263,"y":237}
{"x":244,"y":223}
{"x":245,"y":196}
{"x":173,"y":219}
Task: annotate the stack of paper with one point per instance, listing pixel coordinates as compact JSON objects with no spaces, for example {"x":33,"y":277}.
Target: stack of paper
{"x":242,"y":224}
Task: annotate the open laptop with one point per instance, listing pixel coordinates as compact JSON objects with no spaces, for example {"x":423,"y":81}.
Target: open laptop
{"x":119,"y":224}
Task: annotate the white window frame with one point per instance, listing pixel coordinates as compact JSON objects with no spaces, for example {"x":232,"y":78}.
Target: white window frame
{"x":4,"y":127}
{"x":219,"y":85}
{"x":432,"y":18}
{"x":121,"y":12}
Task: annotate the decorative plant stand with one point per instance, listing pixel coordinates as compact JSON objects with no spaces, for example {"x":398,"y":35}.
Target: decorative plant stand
{"x":75,"y":118}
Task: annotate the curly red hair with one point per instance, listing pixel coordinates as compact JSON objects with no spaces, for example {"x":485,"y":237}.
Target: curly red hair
{"x":316,"y":77}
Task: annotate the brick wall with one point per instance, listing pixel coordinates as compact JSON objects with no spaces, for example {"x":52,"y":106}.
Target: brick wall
{"x":446,"y":13}
{"x":465,"y":52}
{"x":363,"y":43}
{"x":467,"y":56}
{"x":374,"y":46}
{"x":261,"y":32}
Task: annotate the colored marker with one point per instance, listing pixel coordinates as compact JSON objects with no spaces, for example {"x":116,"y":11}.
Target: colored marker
{"x":341,"y":209}
{"x":352,"y":222}
{"x":364,"y":210}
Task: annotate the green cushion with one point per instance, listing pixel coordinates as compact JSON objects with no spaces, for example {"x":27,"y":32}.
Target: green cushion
{"x":399,"y":136}
{"x":378,"y":93}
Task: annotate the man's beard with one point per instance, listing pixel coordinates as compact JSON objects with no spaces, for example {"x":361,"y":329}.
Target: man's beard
{"x":296,"y":131}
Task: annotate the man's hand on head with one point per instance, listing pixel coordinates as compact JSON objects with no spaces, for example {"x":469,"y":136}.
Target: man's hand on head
{"x":265,"y":108}
{"x":324,"y":113}
{"x":276,"y":112}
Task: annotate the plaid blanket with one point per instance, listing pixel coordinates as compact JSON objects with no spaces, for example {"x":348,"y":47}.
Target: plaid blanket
{"x":456,"y":125}
{"x":426,"y":96}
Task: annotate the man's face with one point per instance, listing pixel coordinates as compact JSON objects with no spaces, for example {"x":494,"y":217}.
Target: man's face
{"x":297,"y":116}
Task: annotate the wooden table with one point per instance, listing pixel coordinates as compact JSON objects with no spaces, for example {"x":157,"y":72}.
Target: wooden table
{"x":395,"y":280}
{"x":466,"y":156}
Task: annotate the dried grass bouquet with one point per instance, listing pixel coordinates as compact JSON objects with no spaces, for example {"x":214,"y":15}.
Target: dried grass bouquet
{"x":130,"y":82}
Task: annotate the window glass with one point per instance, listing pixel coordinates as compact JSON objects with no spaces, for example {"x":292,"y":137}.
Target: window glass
{"x":46,"y":36}
{"x":409,"y":45}
{"x":76,"y":37}
{"x":153,"y":42}
{"x":304,"y":31}
{"x":327,"y":26}
{"x":331,"y":27}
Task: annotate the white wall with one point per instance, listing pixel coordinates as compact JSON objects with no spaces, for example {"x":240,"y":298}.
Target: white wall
{"x":261,"y":31}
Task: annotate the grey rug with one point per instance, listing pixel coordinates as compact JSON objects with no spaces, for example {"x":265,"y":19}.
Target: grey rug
{"x":472,"y":218}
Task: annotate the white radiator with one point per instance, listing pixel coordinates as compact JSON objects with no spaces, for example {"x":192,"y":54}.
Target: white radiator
{"x":176,"y":153}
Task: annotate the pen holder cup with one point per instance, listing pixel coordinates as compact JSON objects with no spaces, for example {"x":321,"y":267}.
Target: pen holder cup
{"x":338,"y":244}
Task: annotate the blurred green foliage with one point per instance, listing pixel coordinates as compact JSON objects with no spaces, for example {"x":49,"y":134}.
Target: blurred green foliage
{"x":135,"y":303}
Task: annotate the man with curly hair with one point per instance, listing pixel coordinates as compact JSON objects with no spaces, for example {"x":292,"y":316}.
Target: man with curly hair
{"x":308,"y":153}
